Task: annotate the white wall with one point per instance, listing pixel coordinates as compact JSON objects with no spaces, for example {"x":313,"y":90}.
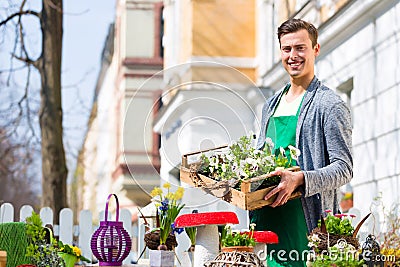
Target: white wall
{"x":372,"y":58}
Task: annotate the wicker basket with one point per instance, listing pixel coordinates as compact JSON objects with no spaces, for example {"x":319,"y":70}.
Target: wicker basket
{"x":329,"y":240}
{"x":333,"y":239}
{"x":235,"y":259}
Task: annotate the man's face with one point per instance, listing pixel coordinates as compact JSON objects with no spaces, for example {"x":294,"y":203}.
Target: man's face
{"x":298,"y":54}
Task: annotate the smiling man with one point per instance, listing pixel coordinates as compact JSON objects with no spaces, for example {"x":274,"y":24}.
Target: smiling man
{"x":310,"y":116}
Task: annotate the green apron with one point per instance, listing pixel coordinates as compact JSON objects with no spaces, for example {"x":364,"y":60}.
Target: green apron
{"x":286,"y":221}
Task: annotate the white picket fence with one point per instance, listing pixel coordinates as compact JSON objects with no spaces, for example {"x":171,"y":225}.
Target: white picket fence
{"x":67,"y":231}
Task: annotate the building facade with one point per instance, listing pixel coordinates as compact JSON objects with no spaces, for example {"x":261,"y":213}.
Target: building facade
{"x":120,"y":154}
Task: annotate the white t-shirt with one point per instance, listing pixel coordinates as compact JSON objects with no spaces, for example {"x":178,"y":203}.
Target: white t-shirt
{"x":288,"y":108}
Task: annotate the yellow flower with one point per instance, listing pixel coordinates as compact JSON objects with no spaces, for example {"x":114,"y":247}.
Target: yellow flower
{"x":156,"y":192}
{"x":167,"y":185}
{"x":169,"y":196}
{"x":77,"y":251}
{"x":179,"y":193}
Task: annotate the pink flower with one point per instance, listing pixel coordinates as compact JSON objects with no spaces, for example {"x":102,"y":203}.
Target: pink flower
{"x":328,"y":211}
{"x":339,"y":215}
{"x":352,"y":215}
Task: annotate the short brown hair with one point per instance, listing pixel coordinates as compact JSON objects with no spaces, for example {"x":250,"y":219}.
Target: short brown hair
{"x":294,"y":25}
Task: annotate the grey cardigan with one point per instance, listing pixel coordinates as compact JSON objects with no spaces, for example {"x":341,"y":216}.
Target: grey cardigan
{"x":323,"y":135}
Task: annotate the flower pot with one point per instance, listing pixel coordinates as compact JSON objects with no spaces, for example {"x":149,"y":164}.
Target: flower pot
{"x":3,"y":258}
{"x":162,"y":258}
{"x":68,"y":259}
{"x":237,"y":249}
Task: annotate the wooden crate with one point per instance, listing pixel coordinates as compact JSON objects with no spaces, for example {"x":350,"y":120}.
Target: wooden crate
{"x":243,"y":198}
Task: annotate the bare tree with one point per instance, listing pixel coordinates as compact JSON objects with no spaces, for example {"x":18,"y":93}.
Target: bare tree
{"x":17,"y":180}
{"x":48,"y":64}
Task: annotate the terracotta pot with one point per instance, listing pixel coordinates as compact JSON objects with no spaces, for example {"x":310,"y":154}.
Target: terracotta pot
{"x":237,"y":249}
{"x":3,"y":258}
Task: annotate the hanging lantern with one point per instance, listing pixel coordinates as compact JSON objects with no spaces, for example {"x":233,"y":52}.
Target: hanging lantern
{"x":111,"y":243}
{"x":371,"y":253}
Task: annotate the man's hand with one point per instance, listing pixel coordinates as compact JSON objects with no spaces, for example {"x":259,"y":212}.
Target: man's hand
{"x":289,"y":182}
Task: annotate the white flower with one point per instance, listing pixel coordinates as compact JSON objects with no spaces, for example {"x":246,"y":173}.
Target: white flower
{"x":214,"y":161}
{"x":282,"y":150}
{"x":311,"y":245}
{"x":211,"y":169}
{"x":315,"y":238}
{"x":269,"y":160}
{"x":268,"y":142}
{"x":229,"y":157}
{"x":223,"y":167}
{"x":234,"y":166}
{"x":241,"y":173}
{"x":242,"y":163}
{"x":294,"y":152}
{"x":251,"y":161}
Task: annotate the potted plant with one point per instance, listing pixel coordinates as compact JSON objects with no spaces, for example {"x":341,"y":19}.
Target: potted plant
{"x":3,"y":258}
{"x":161,"y":240}
{"x":334,"y":242}
{"x":237,"y":241}
{"x":41,"y":249}
{"x":237,"y":248}
{"x":70,"y":254}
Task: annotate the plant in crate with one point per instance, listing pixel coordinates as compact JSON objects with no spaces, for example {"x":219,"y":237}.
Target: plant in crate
{"x":241,"y":161}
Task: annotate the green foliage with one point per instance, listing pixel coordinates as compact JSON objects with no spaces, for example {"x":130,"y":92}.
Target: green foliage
{"x":327,"y":262}
{"x":13,"y":240}
{"x":242,"y":161}
{"x":191,"y":232}
{"x":339,"y":256}
{"x":230,"y":238}
{"x":72,"y":250}
{"x":338,"y":224}
{"x":41,"y":253}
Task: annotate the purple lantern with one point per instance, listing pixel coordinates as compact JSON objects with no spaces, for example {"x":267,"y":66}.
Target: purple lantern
{"x":111,"y":243}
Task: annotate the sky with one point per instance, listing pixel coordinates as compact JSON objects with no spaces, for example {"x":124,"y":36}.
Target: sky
{"x":86,"y":24}
{"x":85,"y":27}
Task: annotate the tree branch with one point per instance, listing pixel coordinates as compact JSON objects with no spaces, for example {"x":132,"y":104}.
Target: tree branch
{"x":19,"y":14}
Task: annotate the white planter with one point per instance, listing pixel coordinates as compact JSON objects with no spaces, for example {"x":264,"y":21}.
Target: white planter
{"x":161,"y":258}
{"x":185,"y":259}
